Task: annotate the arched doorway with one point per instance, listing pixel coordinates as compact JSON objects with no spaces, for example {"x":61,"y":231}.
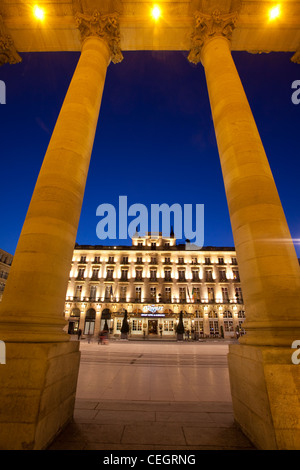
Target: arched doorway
{"x":105,"y":321}
{"x":89,"y":324}
{"x":74,"y":320}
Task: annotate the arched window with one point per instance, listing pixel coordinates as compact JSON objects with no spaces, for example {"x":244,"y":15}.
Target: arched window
{"x":227,"y":314}
{"x":89,"y":325}
{"x":74,"y":321}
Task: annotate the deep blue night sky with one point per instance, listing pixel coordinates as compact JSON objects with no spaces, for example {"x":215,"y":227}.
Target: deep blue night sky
{"x":155,"y":140}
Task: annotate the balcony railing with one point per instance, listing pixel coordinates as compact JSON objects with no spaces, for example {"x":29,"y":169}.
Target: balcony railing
{"x":151,"y":300}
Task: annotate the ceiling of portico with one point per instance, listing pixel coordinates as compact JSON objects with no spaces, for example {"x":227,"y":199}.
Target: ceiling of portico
{"x":253,"y":33}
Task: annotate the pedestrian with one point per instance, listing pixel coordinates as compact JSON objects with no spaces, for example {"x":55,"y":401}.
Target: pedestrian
{"x":79,"y":333}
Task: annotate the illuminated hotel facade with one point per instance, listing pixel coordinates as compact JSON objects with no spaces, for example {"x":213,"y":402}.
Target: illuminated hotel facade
{"x":153,"y":281}
{"x":5,"y":264}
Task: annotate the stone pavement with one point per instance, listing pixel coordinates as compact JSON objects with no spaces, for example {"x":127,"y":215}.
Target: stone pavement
{"x":117,"y":407}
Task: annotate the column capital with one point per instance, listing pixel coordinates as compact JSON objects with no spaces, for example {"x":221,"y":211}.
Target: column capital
{"x":8,"y":52}
{"x":208,"y":26}
{"x":296,"y":57}
{"x":105,"y":27}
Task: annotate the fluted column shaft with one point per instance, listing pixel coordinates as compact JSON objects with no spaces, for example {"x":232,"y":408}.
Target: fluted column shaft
{"x":33,"y":303}
{"x":268,"y":264}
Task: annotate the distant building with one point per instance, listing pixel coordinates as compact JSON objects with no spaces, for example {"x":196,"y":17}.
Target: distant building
{"x":5,"y":264}
{"x":153,"y":281}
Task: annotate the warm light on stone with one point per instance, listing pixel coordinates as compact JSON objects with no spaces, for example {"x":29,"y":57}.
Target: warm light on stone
{"x":39,"y":13}
{"x":156,"y":12}
{"x":275,"y":12}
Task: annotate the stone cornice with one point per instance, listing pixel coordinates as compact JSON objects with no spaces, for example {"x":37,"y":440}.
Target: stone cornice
{"x":104,"y":26}
{"x":207,"y":27}
{"x":8,"y":52}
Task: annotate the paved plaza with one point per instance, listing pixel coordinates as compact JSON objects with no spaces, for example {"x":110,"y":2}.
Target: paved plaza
{"x":153,"y":395}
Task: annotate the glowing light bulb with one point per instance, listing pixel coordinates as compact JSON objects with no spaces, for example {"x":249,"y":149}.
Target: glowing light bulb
{"x":39,"y":13}
{"x":275,"y":12}
{"x":156,"y":12}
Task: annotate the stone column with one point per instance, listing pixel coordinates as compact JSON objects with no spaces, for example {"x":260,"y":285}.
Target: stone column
{"x":38,"y":384}
{"x":264,"y":382}
{"x":267,"y":259}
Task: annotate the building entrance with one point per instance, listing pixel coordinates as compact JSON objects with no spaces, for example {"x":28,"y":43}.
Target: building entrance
{"x":152,"y":327}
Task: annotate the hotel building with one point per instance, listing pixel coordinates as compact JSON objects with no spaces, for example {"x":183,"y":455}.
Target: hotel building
{"x":5,"y":264}
{"x":153,"y":281}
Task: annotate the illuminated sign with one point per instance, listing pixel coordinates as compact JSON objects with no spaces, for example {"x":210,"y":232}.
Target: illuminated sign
{"x":153,"y":309}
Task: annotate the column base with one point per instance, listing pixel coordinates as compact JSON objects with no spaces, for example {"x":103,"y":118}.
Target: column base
{"x":37,"y":395}
{"x":265,"y":388}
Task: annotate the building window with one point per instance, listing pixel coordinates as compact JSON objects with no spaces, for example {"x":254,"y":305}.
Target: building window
{"x":138,"y":274}
{"x":236,"y":275}
{"x":95,"y":274}
{"x":228,"y":325}
{"x":168,"y":294}
{"x":168,"y":325}
{"x":83,"y":259}
{"x":225,"y":295}
{"x":214,"y":327}
{"x":153,"y":275}
{"x":78,"y":292}
{"x":211,"y":294}
{"x":208,"y":275}
{"x":93,"y":292}
{"x":227,"y":314}
{"x":123,"y":293}
{"x":97,"y":259}
{"x":221,"y":260}
{"x":139,"y":259}
{"x":181,"y":275}
{"x":234,"y":261}
{"x":89,"y":324}
{"x":111,"y":259}
{"x":136,"y":325}
{"x":109,"y":274}
{"x":196,"y":294}
{"x":125,"y":260}
{"x":140,"y":244}
{"x":222,"y":275}
{"x":81,"y":273}
{"x":108,"y":292}
{"x":198,"y":314}
{"x":194,"y":260}
{"x":239,"y":295}
{"x":207,"y":260}
{"x":182,"y":294}
{"x":153,"y":293}
{"x":124,"y":275}
{"x":241,"y":314}
{"x":119,"y":325}
{"x":138,"y":293}
{"x":195,"y":274}
{"x":167,"y":260}
{"x":168,"y":275}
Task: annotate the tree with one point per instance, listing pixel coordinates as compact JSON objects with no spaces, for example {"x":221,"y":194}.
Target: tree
{"x":180,"y":327}
{"x":125,"y":326}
